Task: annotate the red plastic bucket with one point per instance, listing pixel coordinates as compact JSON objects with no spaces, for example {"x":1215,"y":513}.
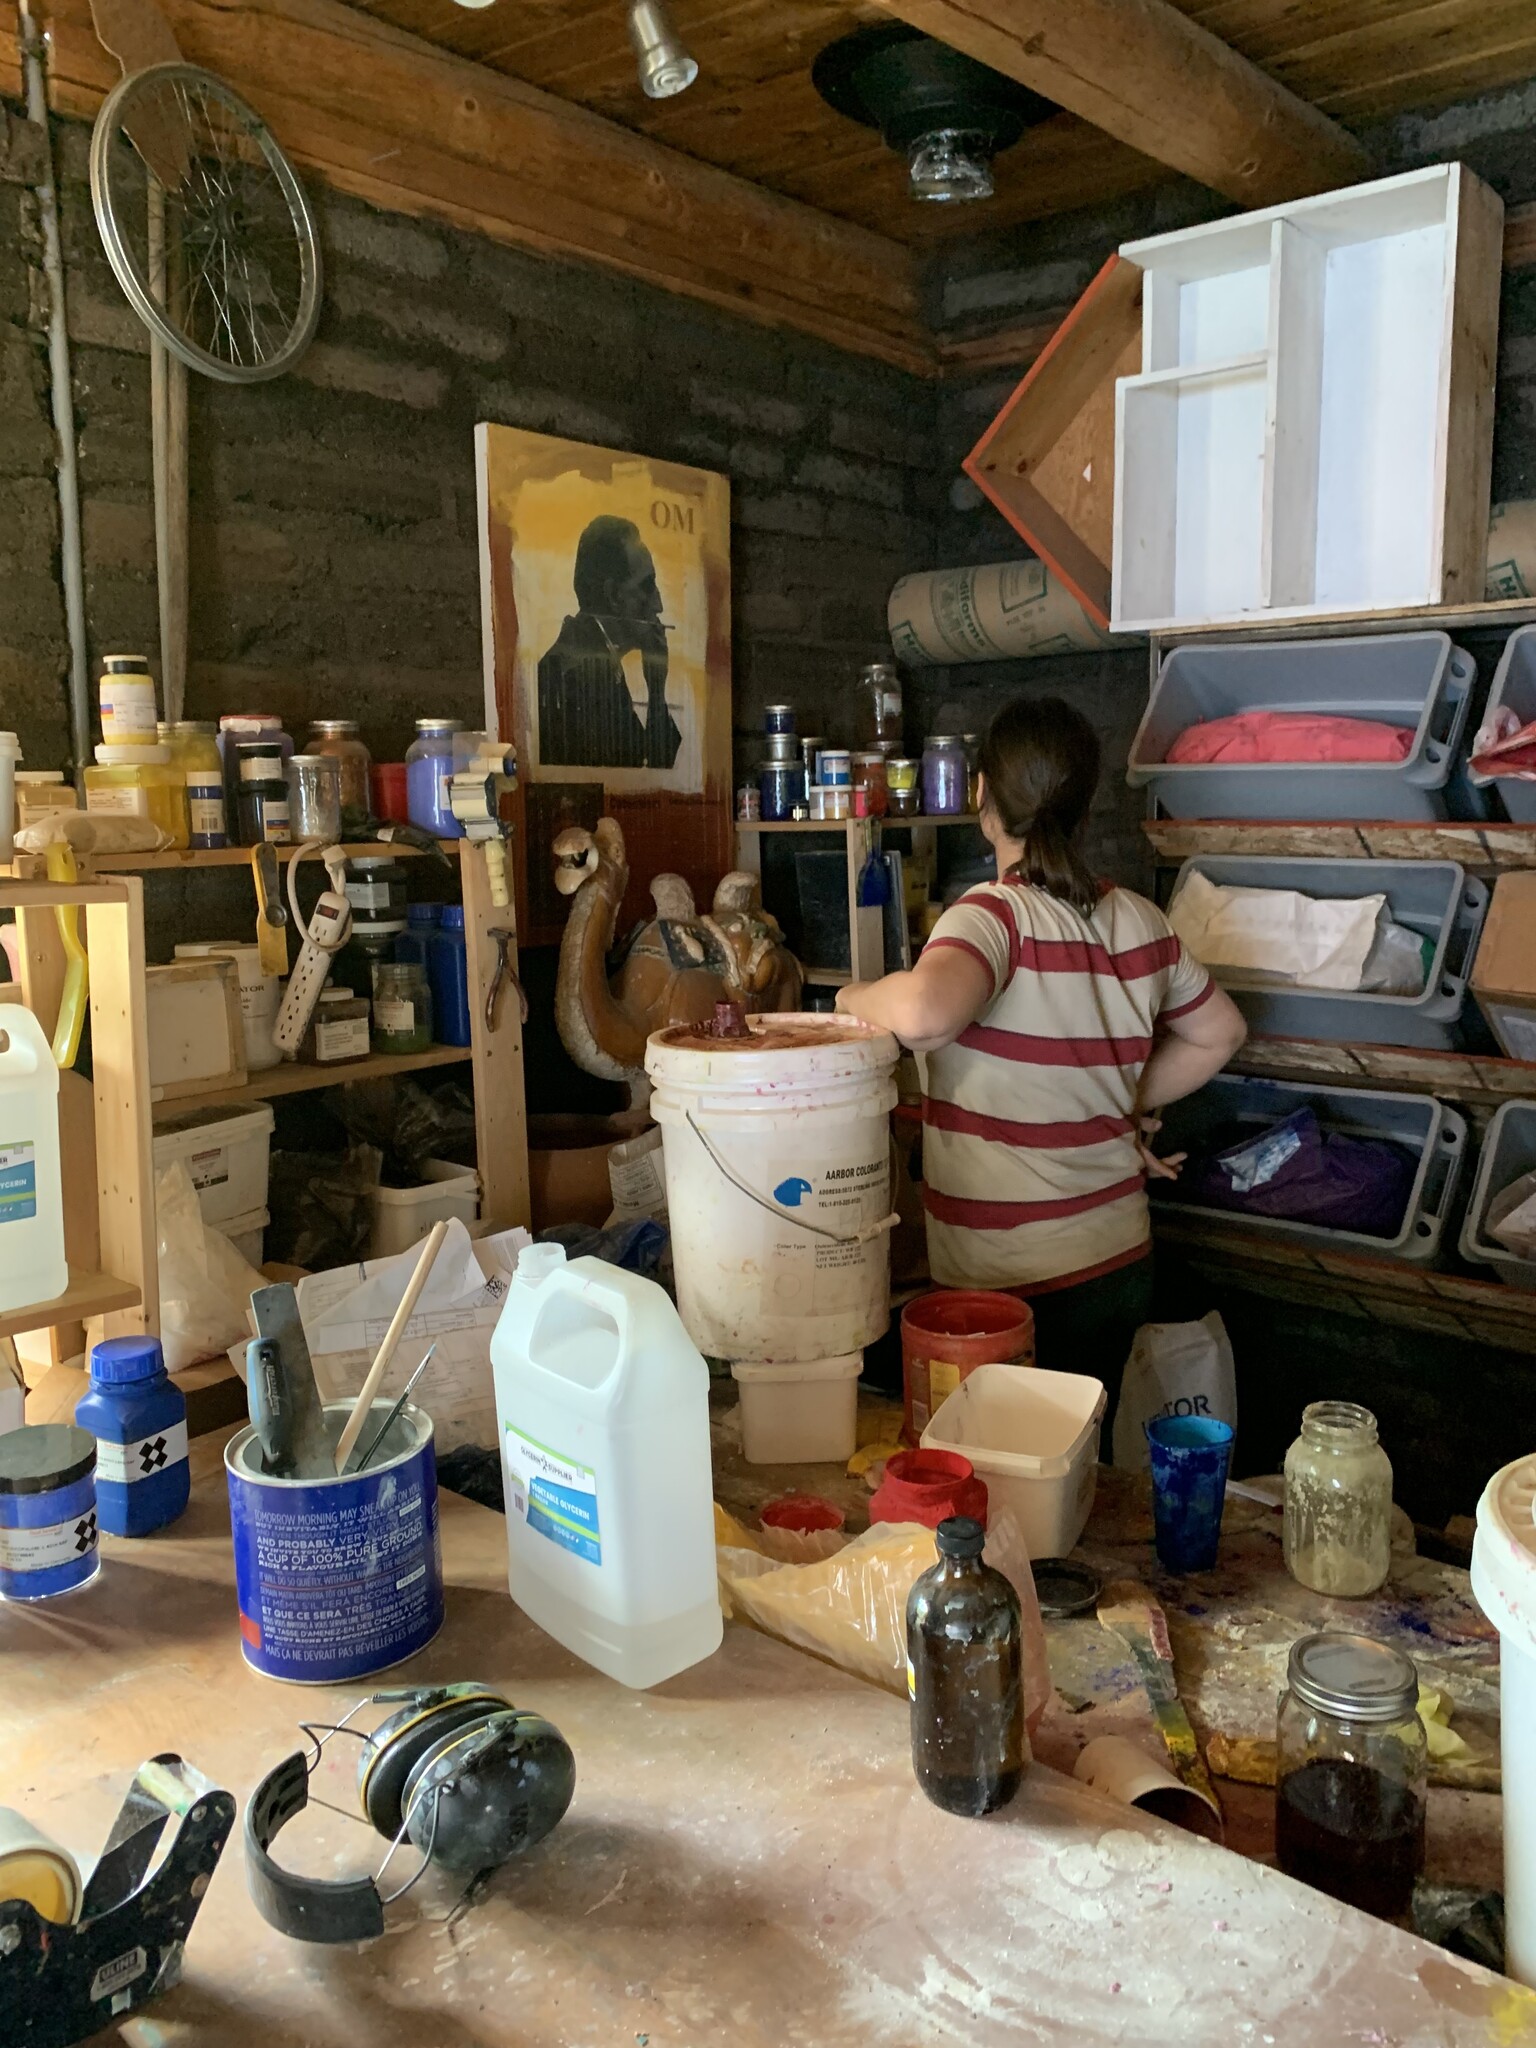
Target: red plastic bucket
{"x":948,"y":1334}
{"x":928,"y":1487}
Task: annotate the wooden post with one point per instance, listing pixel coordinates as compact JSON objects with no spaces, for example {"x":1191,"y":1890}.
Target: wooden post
{"x":120,"y":1062}
{"x":866,"y":928}
{"x":501,"y":1118}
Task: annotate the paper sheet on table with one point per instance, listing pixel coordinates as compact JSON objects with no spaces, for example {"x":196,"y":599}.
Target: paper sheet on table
{"x":346,"y":1312}
{"x":1311,"y":942}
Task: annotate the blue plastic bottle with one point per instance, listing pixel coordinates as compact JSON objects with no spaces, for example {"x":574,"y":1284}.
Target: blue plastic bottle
{"x":139,"y":1421}
{"x":415,"y":943}
{"x":448,"y":972}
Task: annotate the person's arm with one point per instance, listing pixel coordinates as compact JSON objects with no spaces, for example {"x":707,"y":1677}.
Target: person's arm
{"x":1190,"y":1048}
{"x":929,"y":1005}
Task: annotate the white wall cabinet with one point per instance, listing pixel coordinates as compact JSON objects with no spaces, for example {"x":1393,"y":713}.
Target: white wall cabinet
{"x":1312,"y":428}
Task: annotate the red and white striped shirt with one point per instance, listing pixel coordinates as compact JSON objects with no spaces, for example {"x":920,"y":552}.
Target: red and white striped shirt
{"x":1029,"y":1156}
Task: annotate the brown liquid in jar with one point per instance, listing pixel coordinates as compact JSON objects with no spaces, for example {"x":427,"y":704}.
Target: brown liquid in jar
{"x":1351,"y":1831}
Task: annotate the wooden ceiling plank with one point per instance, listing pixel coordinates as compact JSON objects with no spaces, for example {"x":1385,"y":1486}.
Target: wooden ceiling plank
{"x":380,"y":113}
{"x":1148,"y":75}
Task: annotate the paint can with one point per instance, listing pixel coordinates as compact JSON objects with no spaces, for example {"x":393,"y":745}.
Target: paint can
{"x":339,"y":1577}
{"x":48,"y":1539}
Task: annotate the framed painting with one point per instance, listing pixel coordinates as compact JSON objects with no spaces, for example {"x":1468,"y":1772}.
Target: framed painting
{"x":606,"y":594}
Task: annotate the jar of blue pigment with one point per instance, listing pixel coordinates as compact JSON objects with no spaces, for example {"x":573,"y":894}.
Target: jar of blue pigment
{"x":138,"y":1417}
{"x":47,"y":1511}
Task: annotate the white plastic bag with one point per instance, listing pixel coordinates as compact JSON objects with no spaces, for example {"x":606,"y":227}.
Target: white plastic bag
{"x":1276,"y":934}
{"x":1400,"y":961}
{"x":205,"y":1285}
{"x":1512,"y":1217}
{"x":1173,"y":1369}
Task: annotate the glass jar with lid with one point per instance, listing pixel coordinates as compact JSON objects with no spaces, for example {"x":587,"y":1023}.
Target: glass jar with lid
{"x":402,"y":1007}
{"x":314,"y":797}
{"x":140,"y":782}
{"x":880,"y":688}
{"x":428,"y":772}
{"x":901,"y":777}
{"x":1338,"y":1502}
{"x":338,"y":738}
{"x":195,"y":751}
{"x":871,"y":792}
{"x":1351,"y":1771}
{"x":946,"y":778}
{"x":971,"y":741}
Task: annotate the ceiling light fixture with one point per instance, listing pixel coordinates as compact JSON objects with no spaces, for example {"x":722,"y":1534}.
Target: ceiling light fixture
{"x":941,"y":110}
{"x":665,"y":66}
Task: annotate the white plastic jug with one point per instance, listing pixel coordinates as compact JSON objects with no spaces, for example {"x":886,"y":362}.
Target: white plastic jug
{"x":32,"y":1264}
{"x":602,"y":1406}
{"x":1504,"y":1585}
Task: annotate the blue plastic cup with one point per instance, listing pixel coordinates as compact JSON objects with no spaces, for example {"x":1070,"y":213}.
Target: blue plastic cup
{"x":1190,"y":1455}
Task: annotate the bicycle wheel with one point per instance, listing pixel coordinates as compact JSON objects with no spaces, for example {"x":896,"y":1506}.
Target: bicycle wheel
{"x":241,"y":265}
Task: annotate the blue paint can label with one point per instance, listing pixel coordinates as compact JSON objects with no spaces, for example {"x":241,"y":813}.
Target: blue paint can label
{"x":337,"y":1578}
{"x":18,"y":1181}
{"x":554,"y":1495}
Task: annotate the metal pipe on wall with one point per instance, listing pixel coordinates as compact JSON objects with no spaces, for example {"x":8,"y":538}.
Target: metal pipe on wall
{"x":70,"y":548}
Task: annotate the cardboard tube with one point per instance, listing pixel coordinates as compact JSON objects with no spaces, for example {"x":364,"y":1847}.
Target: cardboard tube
{"x":1122,"y":1770}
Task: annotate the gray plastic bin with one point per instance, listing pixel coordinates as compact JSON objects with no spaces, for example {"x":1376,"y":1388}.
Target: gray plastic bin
{"x":1433,"y":897}
{"x":1205,"y":1121}
{"x":1413,"y":679}
{"x":1514,"y":686}
{"x":1509,"y":1150}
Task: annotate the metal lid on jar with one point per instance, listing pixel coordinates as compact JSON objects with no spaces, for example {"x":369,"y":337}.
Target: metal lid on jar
{"x":1353,"y":1677}
{"x":337,"y":726}
{"x":197,"y":725}
{"x":944,"y":739}
{"x":434,"y":725}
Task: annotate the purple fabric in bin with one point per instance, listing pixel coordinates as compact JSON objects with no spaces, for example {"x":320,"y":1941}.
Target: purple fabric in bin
{"x":1297,"y":1172}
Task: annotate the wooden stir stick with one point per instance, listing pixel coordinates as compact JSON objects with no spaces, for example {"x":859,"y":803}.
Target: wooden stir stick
{"x":386,"y":1351}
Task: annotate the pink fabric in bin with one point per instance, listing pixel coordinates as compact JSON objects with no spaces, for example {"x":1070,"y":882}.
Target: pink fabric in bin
{"x":1249,"y":736}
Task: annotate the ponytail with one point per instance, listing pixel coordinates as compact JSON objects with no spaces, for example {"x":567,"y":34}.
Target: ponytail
{"x":1041,"y":761}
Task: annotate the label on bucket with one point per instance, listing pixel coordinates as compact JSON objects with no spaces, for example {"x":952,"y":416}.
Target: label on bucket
{"x":18,"y":1181}
{"x":554,"y":1495}
{"x":824,"y":1269}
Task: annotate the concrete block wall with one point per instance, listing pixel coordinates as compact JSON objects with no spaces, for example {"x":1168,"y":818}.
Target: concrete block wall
{"x":1029,"y":271}
{"x":334,"y":564}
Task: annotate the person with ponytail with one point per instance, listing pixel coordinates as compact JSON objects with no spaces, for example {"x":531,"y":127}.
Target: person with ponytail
{"x":1054,"y":1015}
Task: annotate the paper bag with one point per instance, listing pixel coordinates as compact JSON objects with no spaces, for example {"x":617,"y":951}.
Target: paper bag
{"x":1174,"y":1369}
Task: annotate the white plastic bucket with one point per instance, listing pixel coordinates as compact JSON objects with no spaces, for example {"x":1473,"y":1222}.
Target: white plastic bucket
{"x":1504,"y":1582}
{"x":1033,"y":1436}
{"x":800,"y":1414}
{"x":227,"y":1151}
{"x":778,"y":1159}
{"x":32,"y":1264}
{"x":403,"y":1216}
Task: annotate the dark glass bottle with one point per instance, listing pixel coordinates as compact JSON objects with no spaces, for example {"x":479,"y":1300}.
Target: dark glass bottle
{"x":970,"y":1748}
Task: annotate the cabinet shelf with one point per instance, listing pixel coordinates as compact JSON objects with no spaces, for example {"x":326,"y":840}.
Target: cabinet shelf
{"x":191,"y":859}
{"x":754,"y":825}
{"x":1483,"y":848}
{"x":88,"y":1294}
{"x":294,"y":1078}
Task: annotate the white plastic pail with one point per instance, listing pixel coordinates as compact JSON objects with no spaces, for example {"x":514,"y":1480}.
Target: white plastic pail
{"x":779,"y":1190}
{"x":1504,"y":1581}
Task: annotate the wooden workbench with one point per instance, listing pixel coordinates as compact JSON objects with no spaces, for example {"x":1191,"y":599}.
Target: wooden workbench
{"x":748,"y":1860}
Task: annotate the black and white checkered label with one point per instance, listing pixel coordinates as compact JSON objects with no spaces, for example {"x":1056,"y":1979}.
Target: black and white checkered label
{"x":125,"y":1463}
{"x":39,"y":1550}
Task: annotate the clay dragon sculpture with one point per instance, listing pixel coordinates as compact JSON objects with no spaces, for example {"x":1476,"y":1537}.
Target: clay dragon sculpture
{"x":672,"y":971}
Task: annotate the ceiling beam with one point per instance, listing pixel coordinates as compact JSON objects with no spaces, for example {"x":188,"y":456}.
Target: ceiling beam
{"x":398,"y":122}
{"x":1148,"y":75}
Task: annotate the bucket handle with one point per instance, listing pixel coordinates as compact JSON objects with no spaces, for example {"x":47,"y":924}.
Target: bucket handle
{"x":864,"y":1236}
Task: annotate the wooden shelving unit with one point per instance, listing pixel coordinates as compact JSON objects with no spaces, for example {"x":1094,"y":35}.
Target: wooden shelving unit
{"x":1483,"y":849}
{"x":88,"y":1294}
{"x":753,"y":826}
{"x":193,"y":859}
{"x":294,"y":1078}
{"x":1484,"y":1079}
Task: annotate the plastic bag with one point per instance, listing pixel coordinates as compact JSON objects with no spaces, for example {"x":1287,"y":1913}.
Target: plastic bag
{"x":322,"y":1206}
{"x":852,"y":1608}
{"x":205,"y":1285}
{"x":407,"y":1124}
{"x":1512,"y":1217}
{"x":1174,"y":1369}
{"x":93,"y":832}
{"x":1276,"y":934}
{"x":1399,"y":961}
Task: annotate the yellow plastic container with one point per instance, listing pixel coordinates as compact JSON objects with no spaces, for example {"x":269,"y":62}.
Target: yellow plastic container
{"x":140,"y":782}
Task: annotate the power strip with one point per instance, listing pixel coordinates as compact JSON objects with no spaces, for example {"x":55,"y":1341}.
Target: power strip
{"x":329,"y":926}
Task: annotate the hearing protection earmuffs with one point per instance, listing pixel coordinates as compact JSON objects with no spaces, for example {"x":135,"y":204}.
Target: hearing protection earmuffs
{"x":457,"y":1770}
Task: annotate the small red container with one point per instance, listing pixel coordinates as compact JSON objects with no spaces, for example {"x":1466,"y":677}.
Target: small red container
{"x":387,"y":781}
{"x":948,"y":1334}
{"x":805,"y":1513}
{"x":928,"y":1487}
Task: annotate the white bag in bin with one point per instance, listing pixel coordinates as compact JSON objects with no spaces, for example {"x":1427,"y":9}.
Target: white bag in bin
{"x":1512,"y":1217}
{"x":1173,"y":1369}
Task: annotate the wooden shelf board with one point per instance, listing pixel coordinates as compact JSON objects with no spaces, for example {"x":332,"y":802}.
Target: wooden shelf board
{"x":1486,"y":848}
{"x":88,"y":1294}
{"x":1470,"y":1077}
{"x":828,"y":977}
{"x":294,"y":1078}
{"x":197,"y":857}
{"x":1380,"y":1290}
{"x":841,"y":824}
{"x":1495,"y":614}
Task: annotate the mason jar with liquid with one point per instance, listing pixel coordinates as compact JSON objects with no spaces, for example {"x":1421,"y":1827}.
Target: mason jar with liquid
{"x":1338,"y":1502}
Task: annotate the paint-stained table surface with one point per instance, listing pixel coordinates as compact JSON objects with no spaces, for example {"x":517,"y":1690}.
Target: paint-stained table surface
{"x":748,"y":1860}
